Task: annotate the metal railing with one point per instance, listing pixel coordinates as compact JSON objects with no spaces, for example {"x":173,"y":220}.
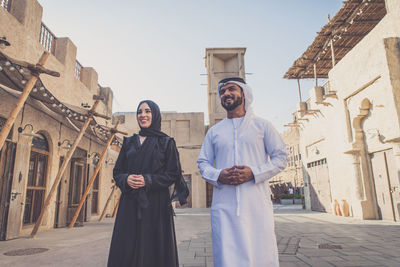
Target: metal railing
{"x":78,"y":69}
{"x":327,"y":87}
{"x":6,"y":4}
{"x":308,"y":102}
{"x":47,"y":39}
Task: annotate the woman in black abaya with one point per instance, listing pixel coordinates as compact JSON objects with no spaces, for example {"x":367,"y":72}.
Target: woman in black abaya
{"x":144,"y":231}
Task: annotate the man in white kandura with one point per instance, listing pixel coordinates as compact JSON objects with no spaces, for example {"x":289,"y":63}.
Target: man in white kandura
{"x":238,"y":156}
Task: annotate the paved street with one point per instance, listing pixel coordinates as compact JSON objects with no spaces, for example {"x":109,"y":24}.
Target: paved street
{"x":304,"y":239}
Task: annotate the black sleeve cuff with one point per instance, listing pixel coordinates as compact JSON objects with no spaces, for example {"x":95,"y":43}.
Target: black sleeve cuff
{"x":148,"y":181}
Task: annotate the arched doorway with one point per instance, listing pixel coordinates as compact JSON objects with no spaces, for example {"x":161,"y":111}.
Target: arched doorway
{"x":37,"y":178}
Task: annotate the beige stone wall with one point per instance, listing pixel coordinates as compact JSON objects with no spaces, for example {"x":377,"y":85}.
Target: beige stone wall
{"x":21,"y":27}
{"x":330,"y":133}
{"x":188,"y":131}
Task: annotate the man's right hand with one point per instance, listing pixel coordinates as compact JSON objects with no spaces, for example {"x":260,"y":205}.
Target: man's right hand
{"x":226,"y":176}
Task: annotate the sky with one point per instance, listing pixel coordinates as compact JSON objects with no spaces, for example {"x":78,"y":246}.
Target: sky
{"x":154,"y":49}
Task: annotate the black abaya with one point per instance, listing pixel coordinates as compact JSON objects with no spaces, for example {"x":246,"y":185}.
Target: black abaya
{"x":144,"y":233}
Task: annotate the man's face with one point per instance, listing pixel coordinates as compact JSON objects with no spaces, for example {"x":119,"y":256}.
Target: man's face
{"x":231,"y":96}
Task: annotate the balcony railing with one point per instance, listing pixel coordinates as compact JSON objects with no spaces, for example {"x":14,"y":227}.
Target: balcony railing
{"x":47,"y":39}
{"x":327,"y":87}
{"x":6,"y":4}
{"x":78,"y":69}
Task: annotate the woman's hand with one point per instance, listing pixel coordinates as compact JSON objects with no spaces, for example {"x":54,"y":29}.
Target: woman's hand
{"x":136,"y":181}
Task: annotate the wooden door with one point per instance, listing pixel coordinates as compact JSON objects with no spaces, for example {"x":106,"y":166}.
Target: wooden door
{"x":76,"y":189}
{"x":95,"y":196}
{"x":313,"y":185}
{"x":386,"y":193}
{"x":394,"y":182}
{"x":36,"y":188}
{"x":320,"y":189}
{"x":324,"y":187}
{"x":58,"y":200}
{"x":7,"y":157}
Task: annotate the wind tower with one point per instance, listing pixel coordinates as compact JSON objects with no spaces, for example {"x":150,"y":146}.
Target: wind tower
{"x":221,"y":63}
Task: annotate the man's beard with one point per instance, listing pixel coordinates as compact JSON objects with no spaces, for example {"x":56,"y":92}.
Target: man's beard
{"x":232,"y":106}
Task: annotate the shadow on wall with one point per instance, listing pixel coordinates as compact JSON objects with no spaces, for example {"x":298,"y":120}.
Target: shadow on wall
{"x":316,"y":204}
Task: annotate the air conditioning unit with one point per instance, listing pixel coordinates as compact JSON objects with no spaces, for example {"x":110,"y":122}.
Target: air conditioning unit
{"x":319,"y":94}
{"x":302,"y":108}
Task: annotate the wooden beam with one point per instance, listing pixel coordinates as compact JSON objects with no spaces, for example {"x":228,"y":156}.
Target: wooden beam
{"x":298,"y":87}
{"x":321,"y":59}
{"x":315,"y":74}
{"x":91,"y":181}
{"x":363,"y":87}
{"x":116,"y":208}
{"x":103,"y":214}
{"x":21,"y":101}
{"x":333,"y":54}
{"x":36,"y":69}
{"x":62,"y":169}
{"x":338,"y":46}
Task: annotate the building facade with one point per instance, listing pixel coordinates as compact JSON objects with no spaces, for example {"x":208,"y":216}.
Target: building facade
{"x":292,"y":176}
{"x":47,"y":126}
{"x":188,"y":131}
{"x":350,"y":126}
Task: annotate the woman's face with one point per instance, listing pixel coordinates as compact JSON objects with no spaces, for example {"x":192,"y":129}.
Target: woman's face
{"x":144,"y":115}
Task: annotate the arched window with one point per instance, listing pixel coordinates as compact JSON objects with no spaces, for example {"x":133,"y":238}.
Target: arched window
{"x":35,"y":191}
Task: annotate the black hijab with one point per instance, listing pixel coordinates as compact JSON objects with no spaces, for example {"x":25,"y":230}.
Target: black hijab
{"x":155,"y":127}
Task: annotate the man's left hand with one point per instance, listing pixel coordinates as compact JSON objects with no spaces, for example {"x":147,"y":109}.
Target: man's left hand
{"x":242,"y":174}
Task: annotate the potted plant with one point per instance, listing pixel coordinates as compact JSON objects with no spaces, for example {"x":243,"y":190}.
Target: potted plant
{"x":286,"y":199}
{"x":298,"y":199}
{"x":291,"y":199}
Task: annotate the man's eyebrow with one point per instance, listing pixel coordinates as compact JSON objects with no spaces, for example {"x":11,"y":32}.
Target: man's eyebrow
{"x":229,"y":87}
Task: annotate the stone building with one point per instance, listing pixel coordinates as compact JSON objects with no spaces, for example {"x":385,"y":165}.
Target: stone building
{"x":47,"y":126}
{"x":292,"y":176}
{"x":349,"y":127}
{"x":188,"y":131}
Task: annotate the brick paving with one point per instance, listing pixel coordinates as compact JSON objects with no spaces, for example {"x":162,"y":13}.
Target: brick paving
{"x":308,"y":238}
{"x":304,"y":239}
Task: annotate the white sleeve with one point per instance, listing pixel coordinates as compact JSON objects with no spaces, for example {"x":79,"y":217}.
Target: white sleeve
{"x":206,"y":159}
{"x":276,"y":149}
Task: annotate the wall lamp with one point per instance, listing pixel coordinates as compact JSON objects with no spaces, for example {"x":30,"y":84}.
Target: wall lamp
{"x":110,"y":161}
{"x":31,"y":133}
{"x":95,"y":156}
{"x":68,"y":144}
{"x":3,"y":42}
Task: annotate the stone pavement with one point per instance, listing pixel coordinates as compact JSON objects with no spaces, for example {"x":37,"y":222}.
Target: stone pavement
{"x":304,"y":239}
{"x":307,"y":238}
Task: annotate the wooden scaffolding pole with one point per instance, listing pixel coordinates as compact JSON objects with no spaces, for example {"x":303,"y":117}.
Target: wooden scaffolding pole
{"x":298,"y":87}
{"x":96,"y":171}
{"x":315,"y":75}
{"x":63,"y":168}
{"x":103,"y":214}
{"x":116,"y":208}
{"x":23,"y":97}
